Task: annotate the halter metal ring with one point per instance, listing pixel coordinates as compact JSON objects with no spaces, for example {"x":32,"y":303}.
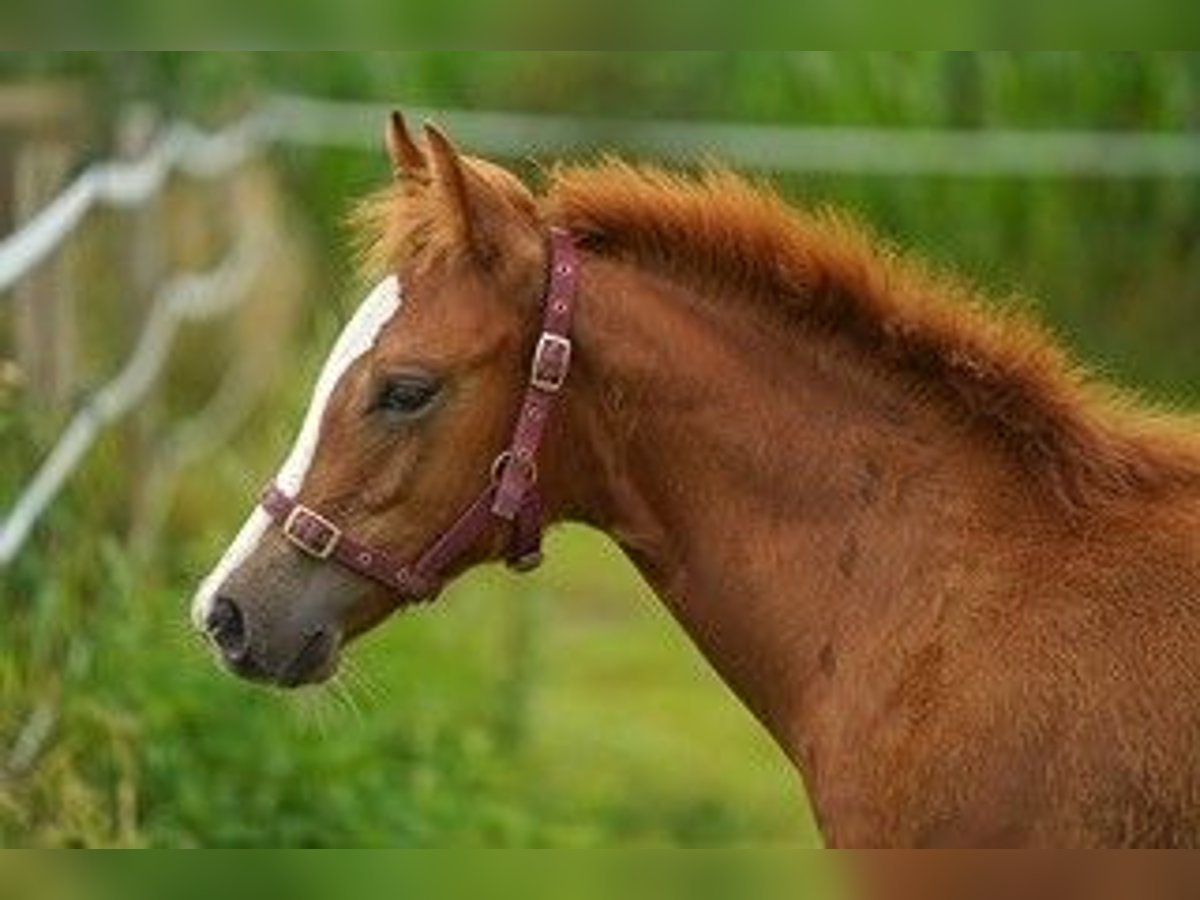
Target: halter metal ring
{"x":505,"y":459}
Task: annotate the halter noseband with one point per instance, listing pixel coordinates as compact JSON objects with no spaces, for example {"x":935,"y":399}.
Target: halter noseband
{"x":511,"y":496}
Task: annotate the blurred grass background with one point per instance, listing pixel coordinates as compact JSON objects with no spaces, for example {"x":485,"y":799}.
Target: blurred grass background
{"x":562,"y":709}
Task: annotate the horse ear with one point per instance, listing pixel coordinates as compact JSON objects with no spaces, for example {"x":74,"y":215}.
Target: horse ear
{"x":407,"y":158}
{"x":479,"y":211}
{"x":450,"y":174}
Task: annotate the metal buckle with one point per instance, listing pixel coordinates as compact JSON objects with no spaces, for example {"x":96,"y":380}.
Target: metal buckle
{"x":551,"y":361}
{"x":319,"y":545}
{"x":505,"y":459}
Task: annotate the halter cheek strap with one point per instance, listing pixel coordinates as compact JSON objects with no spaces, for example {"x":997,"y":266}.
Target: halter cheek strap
{"x":512,"y":496}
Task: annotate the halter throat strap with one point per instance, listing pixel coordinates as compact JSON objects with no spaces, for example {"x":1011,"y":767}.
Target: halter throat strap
{"x":511,"y":497}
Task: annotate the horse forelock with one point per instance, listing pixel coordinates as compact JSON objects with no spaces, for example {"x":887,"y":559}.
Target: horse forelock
{"x":410,"y":223}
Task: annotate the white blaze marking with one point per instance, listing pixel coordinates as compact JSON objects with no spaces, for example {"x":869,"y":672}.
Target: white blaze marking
{"x":356,"y":338}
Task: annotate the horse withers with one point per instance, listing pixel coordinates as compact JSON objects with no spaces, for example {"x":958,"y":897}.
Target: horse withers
{"x":956,"y":580}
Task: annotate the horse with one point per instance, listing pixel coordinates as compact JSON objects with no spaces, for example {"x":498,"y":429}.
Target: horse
{"x":956,"y":578}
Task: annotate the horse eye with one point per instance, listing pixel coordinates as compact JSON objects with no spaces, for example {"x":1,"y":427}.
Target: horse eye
{"x":405,"y":396}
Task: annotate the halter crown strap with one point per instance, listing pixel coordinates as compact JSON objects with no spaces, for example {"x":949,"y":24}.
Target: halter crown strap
{"x":512,"y":496}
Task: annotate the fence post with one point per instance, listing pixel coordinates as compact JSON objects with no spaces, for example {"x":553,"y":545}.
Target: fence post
{"x":146,"y":248}
{"x":44,"y":121}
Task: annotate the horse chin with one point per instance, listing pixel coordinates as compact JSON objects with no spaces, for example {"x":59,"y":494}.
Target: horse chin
{"x":316,"y":662}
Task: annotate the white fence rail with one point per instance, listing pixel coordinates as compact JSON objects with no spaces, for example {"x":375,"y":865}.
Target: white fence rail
{"x":188,"y":297}
{"x":122,"y":184}
{"x":782,"y":148}
{"x":314,"y":122}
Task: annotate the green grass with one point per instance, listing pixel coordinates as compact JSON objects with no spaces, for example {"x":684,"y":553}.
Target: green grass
{"x":551,"y":711}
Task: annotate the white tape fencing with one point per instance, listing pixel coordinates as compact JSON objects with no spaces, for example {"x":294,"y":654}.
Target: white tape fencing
{"x":780,"y":148}
{"x":856,"y":151}
{"x":182,"y":147}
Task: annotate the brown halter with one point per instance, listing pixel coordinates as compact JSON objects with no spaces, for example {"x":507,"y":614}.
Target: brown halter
{"x":511,"y":496}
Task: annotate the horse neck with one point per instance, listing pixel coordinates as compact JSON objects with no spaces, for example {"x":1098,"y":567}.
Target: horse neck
{"x":773,"y":489}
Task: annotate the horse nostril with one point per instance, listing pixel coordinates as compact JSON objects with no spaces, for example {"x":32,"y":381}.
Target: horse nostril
{"x":227,"y":628}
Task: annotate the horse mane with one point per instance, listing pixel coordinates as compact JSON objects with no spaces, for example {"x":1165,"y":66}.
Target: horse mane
{"x":999,"y":369}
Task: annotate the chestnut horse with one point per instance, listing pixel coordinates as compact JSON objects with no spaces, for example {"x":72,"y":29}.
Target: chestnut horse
{"x":957,"y":581}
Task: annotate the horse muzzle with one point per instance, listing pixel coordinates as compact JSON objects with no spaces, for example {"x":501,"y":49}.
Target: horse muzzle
{"x":308,"y":656}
